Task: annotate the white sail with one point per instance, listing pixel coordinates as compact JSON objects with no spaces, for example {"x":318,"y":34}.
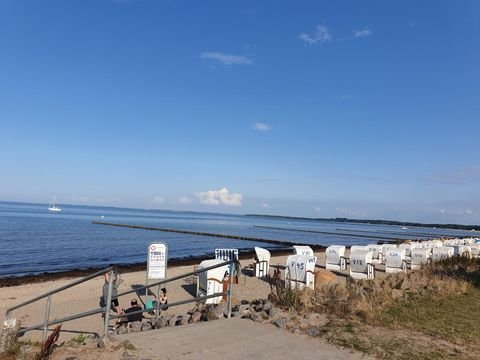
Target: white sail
{"x":52,"y":206}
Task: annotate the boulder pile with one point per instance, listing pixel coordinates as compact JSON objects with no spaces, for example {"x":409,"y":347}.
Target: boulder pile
{"x":260,"y":310}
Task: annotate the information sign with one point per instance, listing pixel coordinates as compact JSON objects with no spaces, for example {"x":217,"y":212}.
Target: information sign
{"x":157,"y":261}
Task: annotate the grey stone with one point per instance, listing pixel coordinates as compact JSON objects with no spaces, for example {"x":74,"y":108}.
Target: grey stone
{"x":146,"y":326}
{"x":256,"y":317}
{"x":216,"y":312}
{"x":196,"y":317}
{"x":172,"y":321}
{"x":281,"y":323}
{"x":313,"y":331}
{"x":275,"y":312}
{"x":122,"y":330}
{"x":244,"y":307}
{"x":267,"y":306}
{"x":135,"y":326}
{"x":161,"y":322}
{"x":244,"y":302}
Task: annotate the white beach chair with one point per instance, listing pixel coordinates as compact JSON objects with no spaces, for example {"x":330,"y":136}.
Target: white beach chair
{"x":303,"y":250}
{"x":395,"y":260}
{"x":408,"y":248}
{"x":262,"y":264}
{"x":420,"y":257}
{"x":299,"y":271}
{"x":377,"y":250}
{"x":358,"y":247}
{"x":211,"y":281}
{"x":475,"y":250}
{"x":361,"y":265}
{"x":442,"y":253}
{"x":462,"y":250}
{"x":335,"y":258}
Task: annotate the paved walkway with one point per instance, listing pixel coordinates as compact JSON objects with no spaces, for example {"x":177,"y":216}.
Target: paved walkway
{"x":233,"y":339}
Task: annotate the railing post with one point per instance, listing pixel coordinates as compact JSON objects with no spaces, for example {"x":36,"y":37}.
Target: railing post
{"x":108,"y":303}
{"x":47,"y":316}
{"x":157,"y":304}
{"x":230,"y":284}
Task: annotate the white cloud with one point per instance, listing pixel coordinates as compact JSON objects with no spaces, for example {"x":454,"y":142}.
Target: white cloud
{"x":318,"y":209}
{"x":158,"y":200}
{"x":227,"y":59}
{"x":442,"y":211}
{"x":265,"y":206}
{"x":362,"y":33}
{"x":262,"y":127}
{"x":184,"y":200}
{"x":319,"y":36}
{"x":220,"y":197}
{"x":469,"y":212}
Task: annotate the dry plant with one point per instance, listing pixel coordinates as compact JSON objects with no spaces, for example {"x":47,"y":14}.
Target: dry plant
{"x":366,"y":299}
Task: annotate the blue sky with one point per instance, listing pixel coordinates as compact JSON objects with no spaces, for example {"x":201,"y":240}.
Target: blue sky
{"x":362,"y":109}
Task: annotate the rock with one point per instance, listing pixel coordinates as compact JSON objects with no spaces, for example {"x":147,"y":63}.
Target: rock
{"x":192,"y":311}
{"x":122,"y":330}
{"x":244,"y":302}
{"x":323,"y":276}
{"x":161,"y":322}
{"x":313,"y":331}
{"x":172,"y":321}
{"x":264,"y":315}
{"x":243,"y":308}
{"x":235,"y":314}
{"x":275,"y":312}
{"x":258,"y":308}
{"x":256,"y":317}
{"x":103,"y":343}
{"x":303,"y":324}
{"x":196,"y":317}
{"x":215,"y":313}
{"x":315,"y":319}
{"x":296,"y":330}
{"x":135,"y":326}
{"x":281,"y":323}
{"x":146,"y":326}
{"x":127,"y":356}
{"x":267,"y":306}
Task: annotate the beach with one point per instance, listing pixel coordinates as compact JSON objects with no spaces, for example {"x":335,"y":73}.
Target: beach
{"x":86,"y":296}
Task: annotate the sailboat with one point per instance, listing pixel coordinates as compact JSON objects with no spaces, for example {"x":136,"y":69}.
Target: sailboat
{"x":52,"y":206}
{"x":404,"y":227}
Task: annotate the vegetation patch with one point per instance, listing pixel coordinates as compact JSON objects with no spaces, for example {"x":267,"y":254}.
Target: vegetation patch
{"x":432,"y":313}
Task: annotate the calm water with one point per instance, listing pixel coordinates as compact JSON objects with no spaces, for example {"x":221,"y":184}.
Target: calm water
{"x":33,"y":240}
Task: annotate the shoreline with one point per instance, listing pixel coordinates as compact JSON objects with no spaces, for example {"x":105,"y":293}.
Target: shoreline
{"x":129,"y":268}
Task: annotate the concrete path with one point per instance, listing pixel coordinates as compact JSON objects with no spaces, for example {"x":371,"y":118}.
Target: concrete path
{"x":233,"y":339}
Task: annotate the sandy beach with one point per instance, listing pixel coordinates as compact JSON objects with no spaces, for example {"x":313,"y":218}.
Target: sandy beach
{"x":86,"y":297}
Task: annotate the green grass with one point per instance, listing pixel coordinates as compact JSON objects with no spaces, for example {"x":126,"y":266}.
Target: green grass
{"x":455,"y":318}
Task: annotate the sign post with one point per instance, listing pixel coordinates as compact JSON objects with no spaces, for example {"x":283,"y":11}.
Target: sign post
{"x":157,"y":259}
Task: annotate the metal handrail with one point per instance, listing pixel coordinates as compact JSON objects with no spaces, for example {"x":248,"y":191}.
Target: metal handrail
{"x":106,"y":308}
{"x":100,"y":310}
{"x":178,"y":277}
{"x":49,"y":293}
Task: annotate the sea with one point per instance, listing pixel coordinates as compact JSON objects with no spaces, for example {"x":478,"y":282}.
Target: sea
{"x":34,"y":241}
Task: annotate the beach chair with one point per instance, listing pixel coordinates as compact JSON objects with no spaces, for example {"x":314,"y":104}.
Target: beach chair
{"x":211,"y":281}
{"x":408,"y":248}
{"x":361,"y":265}
{"x":442,"y":253}
{"x":262,"y":264}
{"x":299,"y":271}
{"x":475,"y":250}
{"x":420,"y":257}
{"x":335,"y":258}
{"x":303,"y":250}
{"x":395,"y":260}
{"x":377,"y":250}
{"x":462,"y":250}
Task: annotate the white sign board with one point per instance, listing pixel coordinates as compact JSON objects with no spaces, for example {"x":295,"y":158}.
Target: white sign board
{"x":157,"y":261}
